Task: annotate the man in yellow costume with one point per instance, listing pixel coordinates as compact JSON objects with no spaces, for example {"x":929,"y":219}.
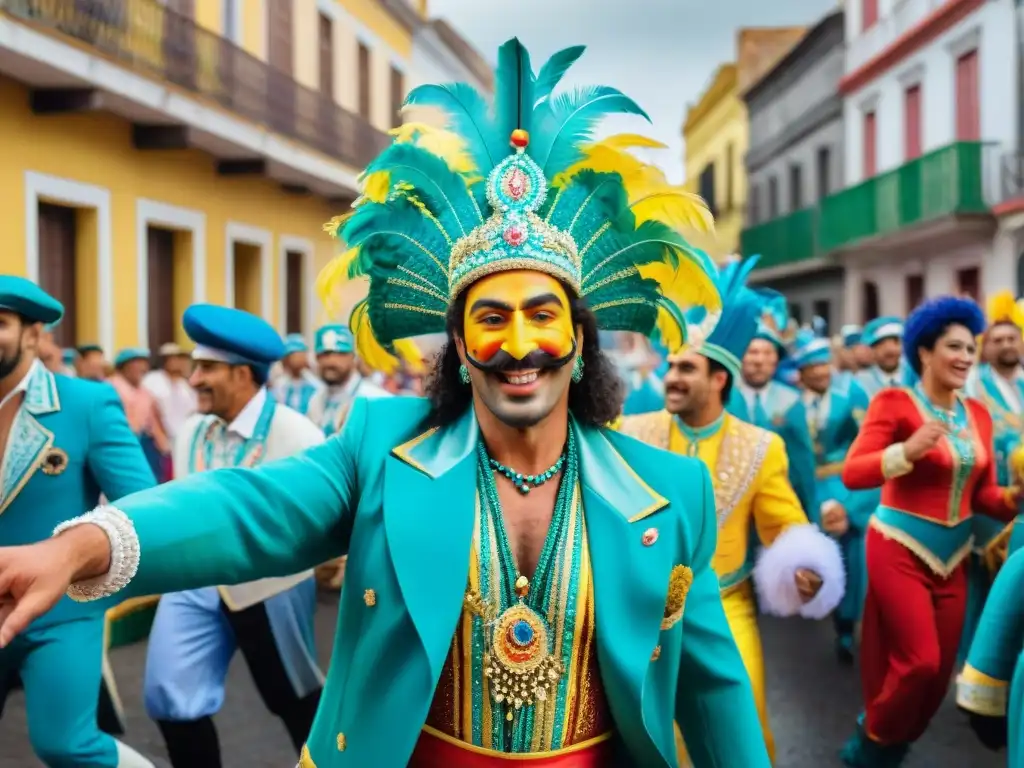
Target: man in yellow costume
{"x":799,"y":570}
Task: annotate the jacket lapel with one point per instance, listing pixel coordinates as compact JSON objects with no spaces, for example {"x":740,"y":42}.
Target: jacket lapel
{"x":429,"y":502}
{"x":28,"y":441}
{"x":630,"y":578}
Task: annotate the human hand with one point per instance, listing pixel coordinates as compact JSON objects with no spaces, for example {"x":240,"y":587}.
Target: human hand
{"x":33,"y":578}
{"x":808,"y":583}
{"x":924,"y":439}
{"x":834,"y":520}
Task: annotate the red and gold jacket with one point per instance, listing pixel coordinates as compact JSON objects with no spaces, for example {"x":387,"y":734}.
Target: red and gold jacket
{"x":926,"y":505}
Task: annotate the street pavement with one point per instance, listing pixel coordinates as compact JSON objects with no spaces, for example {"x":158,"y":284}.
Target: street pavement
{"x":813,"y":703}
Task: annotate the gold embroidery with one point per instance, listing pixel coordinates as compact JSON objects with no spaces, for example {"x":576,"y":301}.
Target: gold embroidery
{"x":370,"y":598}
{"x":342,"y":742}
{"x":678,"y":587}
{"x":740,"y":455}
{"x":940,"y":568}
{"x":895,"y":463}
{"x":977,"y":692}
{"x":656,"y":654}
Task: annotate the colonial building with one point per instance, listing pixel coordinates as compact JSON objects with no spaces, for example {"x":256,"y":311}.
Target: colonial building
{"x":163,"y":153}
{"x":931,"y":109}
{"x":716,"y":134}
{"x":795,"y":159}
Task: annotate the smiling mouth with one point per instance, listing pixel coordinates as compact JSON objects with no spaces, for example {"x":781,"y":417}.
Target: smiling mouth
{"x":520,"y":378}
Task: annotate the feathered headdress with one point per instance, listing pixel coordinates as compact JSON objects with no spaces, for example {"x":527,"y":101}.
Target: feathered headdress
{"x":1003,"y":308}
{"x":724,"y":336}
{"x":519,"y":185}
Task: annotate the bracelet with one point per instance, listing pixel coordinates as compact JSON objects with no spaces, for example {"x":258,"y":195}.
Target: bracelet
{"x":124,"y":553}
{"x":895,"y":462}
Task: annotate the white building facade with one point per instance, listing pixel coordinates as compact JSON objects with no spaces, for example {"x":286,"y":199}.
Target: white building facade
{"x":442,"y":55}
{"x":930,"y":108}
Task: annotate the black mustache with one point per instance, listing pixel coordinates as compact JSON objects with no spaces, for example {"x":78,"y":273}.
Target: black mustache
{"x":537,"y":360}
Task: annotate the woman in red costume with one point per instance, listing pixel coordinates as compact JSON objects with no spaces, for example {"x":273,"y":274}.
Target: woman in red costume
{"x":930,"y":450}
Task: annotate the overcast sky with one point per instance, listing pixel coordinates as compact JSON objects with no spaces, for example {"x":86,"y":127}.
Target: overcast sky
{"x":662,"y":53}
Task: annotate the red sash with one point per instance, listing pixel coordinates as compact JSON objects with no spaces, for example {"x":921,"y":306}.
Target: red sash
{"x":436,"y":751}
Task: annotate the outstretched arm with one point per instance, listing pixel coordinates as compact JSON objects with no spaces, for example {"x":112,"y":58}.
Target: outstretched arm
{"x":714,"y":701}
{"x":234,"y":525}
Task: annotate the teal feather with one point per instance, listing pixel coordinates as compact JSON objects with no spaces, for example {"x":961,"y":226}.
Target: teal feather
{"x":554,"y":70}
{"x":395,"y":234}
{"x":630,"y":305}
{"x":587,"y":202}
{"x":513,"y":89}
{"x":567,"y":121}
{"x":618,"y":249}
{"x":468,"y":116}
{"x":443,"y":190}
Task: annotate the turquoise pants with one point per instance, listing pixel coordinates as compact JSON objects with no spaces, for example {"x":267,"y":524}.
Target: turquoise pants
{"x":61,"y":670}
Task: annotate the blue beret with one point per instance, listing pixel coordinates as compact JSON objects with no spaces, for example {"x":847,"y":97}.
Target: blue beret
{"x":129,"y":354}
{"x":294,"y":342}
{"x":334,"y":338}
{"x":29,"y":300}
{"x":935,"y":314}
{"x":232,"y":336}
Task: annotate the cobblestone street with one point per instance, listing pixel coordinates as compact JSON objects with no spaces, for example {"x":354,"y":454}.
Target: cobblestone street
{"x":814,"y":702}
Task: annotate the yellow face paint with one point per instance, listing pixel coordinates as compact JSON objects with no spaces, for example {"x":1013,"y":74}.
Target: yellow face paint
{"x":518,"y":312}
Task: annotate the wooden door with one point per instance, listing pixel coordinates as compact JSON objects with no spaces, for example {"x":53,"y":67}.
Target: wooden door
{"x":912,"y":123}
{"x":280,"y":56}
{"x":58,"y":266}
{"x":327,"y":109}
{"x":364,"y":81}
{"x":397,"y":96}
{"x":968,"y":107}
{"x":294,"y":305}
{"x":969,"y":282}
{"x":870,"y":145}
{"x":160,"y":286}
{"x":915,"y":291}
{"x":869,"y":298}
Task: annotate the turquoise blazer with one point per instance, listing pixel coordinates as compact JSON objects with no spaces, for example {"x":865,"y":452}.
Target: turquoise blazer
{"x":69,"y":442}
{"x":848,"y":402}
{"x":787,"y":418}
{"x":992,"y":682}
{"x":400,"y":499}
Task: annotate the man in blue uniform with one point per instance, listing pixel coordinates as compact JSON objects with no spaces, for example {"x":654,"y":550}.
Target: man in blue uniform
{"x":884,"y":336}
{"x":64,"y":441}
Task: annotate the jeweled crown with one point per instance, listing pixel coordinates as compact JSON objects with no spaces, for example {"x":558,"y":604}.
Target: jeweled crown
{"x":514,"y":236}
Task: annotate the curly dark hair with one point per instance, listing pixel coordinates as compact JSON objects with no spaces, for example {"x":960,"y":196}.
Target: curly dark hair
{"x":595,"y":401}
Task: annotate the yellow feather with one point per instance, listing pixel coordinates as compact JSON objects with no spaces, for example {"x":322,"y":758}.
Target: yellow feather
{"x":332,"y":277}
{"x":672,"y":336}
{"x":1002,"y":308}
{"x":686,"y":285}
{"x":446,"y":145}
{"x":367,"y":346}
{"x":410,"y":354}
{"x":376,"y":186}
{"x":676,"y":208}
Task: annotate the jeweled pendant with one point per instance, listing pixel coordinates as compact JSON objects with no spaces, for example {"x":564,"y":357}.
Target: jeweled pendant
{"x":520,"y":667}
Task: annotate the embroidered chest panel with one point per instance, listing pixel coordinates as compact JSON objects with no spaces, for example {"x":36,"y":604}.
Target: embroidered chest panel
{"x":739,"y":460}
{"x":463,"y":705}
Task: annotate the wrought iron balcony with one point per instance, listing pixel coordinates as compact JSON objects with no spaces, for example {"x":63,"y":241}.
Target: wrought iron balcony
{"x":156,"y":42}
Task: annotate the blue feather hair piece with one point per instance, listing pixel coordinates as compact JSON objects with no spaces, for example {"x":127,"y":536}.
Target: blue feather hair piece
{"x":519,"y":183}
{"x":932,"y":316}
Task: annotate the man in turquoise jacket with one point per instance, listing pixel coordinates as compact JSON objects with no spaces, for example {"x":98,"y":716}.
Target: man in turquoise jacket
{"x":64,"y":441}
{"x":521,"y":581}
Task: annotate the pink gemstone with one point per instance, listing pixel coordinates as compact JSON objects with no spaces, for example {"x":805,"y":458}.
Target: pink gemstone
{"x":514,"y":235}
{"x":650,"y":536}
{"x":517,"y":184}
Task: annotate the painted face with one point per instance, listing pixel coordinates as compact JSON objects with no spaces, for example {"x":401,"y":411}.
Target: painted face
{"x":518,"y":320}
{"x":519,"y":338}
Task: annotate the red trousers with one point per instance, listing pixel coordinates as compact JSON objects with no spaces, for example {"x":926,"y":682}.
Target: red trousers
{"x":434,"y":752}
{"x":909,"y":639}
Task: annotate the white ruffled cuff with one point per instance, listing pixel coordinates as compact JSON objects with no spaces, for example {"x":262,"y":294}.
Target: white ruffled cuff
{"x":124,"y":553}
{"x":800,"y":547}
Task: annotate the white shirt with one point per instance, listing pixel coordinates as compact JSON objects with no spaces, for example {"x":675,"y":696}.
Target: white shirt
{"x":175,"y":399}
{"x":22,"y":386}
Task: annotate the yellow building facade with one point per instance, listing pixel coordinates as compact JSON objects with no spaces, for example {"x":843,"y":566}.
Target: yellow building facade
{"x":715,"y":132}
{"x":158,"y":156}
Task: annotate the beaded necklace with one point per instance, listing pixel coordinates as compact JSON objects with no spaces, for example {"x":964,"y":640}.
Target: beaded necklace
{"x":519,"y":661}
{"x":961,"y":443}
{"x":694,"y":435}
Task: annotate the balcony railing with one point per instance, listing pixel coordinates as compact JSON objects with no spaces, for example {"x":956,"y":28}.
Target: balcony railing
{"x":953,"y":180}
{"x":784,"y":240}
{"x":159,"y":43}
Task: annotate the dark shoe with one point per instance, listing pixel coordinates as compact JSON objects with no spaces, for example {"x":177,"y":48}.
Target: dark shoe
{"x":844,"y":649}
{"x":991,"y":731}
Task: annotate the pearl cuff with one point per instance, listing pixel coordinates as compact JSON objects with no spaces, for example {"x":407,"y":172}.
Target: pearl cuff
{"x":895,"y":463}
{"x":124,"y":553}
